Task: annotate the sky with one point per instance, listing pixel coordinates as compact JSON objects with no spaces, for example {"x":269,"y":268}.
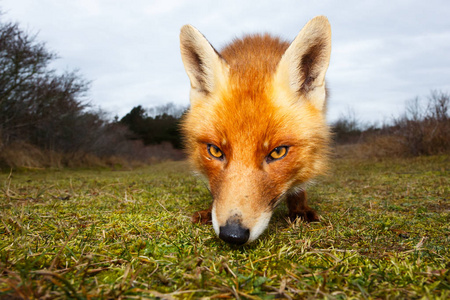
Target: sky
{"x":384,"y":53}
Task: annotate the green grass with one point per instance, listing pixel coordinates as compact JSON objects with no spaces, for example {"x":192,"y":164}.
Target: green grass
{"x":90,"y":234}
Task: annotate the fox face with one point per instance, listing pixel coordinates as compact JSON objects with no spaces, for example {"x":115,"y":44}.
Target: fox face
{"x":256,"y":127}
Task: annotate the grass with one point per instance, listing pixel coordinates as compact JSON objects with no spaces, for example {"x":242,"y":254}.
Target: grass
{"x":92,"y":234}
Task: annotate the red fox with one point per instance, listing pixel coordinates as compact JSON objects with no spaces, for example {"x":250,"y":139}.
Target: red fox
{"x":256,"y":125}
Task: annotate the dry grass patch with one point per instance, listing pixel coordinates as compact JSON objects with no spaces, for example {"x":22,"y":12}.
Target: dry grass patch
{"x":126,"y":235}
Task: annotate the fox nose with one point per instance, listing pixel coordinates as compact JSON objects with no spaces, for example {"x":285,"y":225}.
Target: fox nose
{"x":234,"y":233}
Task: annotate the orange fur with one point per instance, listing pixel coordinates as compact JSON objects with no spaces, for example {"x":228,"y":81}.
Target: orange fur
{"x":246,"y":102}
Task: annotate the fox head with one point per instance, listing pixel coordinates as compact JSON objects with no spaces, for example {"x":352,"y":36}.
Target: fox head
{"x":256,"y":126}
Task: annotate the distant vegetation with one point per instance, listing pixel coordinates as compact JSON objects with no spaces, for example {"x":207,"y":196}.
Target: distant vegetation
{"x":156,"y":125}
{"x":423,"y":129}
{"x":46,"y":119}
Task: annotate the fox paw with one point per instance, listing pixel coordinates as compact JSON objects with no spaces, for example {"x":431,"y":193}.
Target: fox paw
{"x":309,"y":215}
{"x":202,"y":217}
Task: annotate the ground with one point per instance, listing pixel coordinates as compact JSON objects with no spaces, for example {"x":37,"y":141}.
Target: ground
{"x":84,"y":234}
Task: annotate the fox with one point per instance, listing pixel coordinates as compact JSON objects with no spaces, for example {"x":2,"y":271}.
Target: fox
{"x":256,"y":126}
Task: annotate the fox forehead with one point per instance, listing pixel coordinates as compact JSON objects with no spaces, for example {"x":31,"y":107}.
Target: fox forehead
{"x":246,"y":124}
{"x":253,"y":61}
{"x":244,"y":105}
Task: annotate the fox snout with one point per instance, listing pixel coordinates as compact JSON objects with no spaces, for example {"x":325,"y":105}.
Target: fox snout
{"x":234,"y":233}
{"x":237,"y":224}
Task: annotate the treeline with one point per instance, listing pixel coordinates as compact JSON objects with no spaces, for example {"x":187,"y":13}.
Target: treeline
{"x":156,"y":125}
{"x":423,"y":129}
{"x":46,"y":119}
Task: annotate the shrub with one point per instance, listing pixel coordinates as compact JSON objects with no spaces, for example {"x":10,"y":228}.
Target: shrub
{"x":425,"y":128}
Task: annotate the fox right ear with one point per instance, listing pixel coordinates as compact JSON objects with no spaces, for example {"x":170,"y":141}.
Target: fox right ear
{"x":304,"y":64}
{"x":203,"y":64}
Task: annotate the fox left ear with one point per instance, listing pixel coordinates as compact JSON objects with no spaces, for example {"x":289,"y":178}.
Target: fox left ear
{"x":205,"y":67}
{"x":303,"y":66}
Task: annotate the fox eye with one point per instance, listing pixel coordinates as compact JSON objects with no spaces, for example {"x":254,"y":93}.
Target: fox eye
{"x":277,"y":153}
{"x":214,"y":151}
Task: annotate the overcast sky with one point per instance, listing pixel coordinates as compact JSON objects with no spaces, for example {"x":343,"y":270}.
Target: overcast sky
{"x":383,"y":53}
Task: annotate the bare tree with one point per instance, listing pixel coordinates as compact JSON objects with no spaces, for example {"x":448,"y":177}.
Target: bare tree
{"x":22,"y":62}
{"x":49,"y":111}
{"x":36,"y":104}
{"x":424,"y":128}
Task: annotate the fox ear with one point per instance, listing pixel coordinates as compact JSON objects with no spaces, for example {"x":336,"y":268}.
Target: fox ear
{"x":203,"y":64}
{"x":303,"y":66}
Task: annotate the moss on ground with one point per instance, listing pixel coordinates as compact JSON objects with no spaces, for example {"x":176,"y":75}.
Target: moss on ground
{"x":89,"y":234}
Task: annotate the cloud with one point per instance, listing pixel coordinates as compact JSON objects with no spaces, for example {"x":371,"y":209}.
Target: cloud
{"x":384,"y":52}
